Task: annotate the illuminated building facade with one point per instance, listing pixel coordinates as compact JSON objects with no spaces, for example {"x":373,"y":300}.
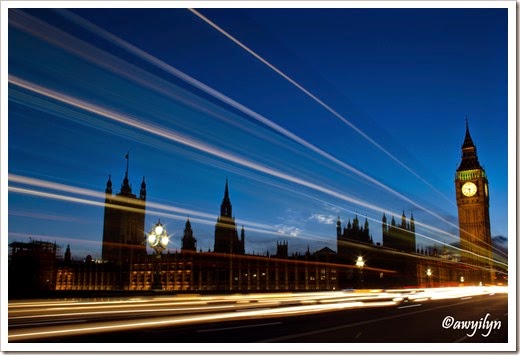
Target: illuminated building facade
{"x":471,"y":187}
{"x":396,"y":262}
{"x":205,"y":271}
{"x":227,"y":268}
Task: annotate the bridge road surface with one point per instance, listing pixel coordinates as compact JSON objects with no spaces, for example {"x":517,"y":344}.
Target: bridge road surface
{"x":402,"y":322}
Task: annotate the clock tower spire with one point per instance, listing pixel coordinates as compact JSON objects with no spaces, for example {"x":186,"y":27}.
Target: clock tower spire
{"x":471,"y":186}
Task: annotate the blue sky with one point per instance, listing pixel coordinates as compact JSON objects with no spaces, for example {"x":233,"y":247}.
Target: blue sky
{"x":404,"y":78}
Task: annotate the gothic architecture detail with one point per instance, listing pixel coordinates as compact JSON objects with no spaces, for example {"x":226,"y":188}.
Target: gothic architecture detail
{"x":358,"y":262}
{"x":226,"y":235}
{"x":282,"y":249}
{"x":399,"y":236}
{"x":123,"y":227}
{"x":188,"y":241}
{"x":471,"y":186}
{"x":352,"y":241}
{"x":354,"y":231}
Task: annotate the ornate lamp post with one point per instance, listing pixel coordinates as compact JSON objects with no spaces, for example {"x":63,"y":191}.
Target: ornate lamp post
{"x":158,"y":240}
{"x":360,"y":263}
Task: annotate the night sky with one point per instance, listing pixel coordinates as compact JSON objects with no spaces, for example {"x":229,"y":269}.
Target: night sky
{"x":349,"y":112}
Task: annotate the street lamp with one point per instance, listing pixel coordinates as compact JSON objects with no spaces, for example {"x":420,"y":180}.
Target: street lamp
{"x":158,"y":240}
{"x":360,"y":263}
{"x":429,"y":274}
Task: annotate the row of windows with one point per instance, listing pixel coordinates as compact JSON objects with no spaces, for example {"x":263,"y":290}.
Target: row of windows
{"x":470,"y":174}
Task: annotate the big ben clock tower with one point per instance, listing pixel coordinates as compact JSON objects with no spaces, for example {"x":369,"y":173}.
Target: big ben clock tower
{"x":471,"y":186}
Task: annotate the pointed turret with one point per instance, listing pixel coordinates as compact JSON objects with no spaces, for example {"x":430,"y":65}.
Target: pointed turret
{"x":108,"y":190}
{"x":67,"y":254}
{"x":226,"y":235}
{"x":225,"y":207}
{"x":126,"y":189}
{"x":403,"y":221}
{"x":188,"y":241}
{"x":338,"y":228}
{"x":468,"y":142}
{"x":355,"y":223}
{"x":469,"y":153}
{"x":142,"y":194}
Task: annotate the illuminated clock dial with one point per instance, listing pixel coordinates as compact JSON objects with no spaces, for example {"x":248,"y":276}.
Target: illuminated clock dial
{"x":486,"y":189}
{"x":469,"y":189}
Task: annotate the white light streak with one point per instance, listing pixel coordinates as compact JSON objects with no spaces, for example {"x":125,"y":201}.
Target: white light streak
{"x":318,"y":100}
{"x":57,"y":37}
{"x":216,"y":94}
{"x":265,"y":305}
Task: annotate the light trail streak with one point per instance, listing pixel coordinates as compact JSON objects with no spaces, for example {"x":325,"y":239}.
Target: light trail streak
{"x":205,"y":218}
{"x":176,"y":137}
{"x":261,"y":310}
{"x":121,"y":312}
{"x":103,"y":204}
{"x":74,"y":329}
{"x":223,"y":98}
{"x":252,"y":226}
{"x":318,"y":100}
{"x":62,"y":40}
{"x":65,"y":41}
{"x":417,"y":223}
{"x":239,"y":327}
{"x":51,"y":217}
{"x":100,"y":195}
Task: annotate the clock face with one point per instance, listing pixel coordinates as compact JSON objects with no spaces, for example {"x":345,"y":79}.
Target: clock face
{"x":469,"y":189}
{"x":486,"y":189}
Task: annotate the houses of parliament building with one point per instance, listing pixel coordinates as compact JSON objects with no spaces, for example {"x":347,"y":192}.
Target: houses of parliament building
{"x":358,"y":262}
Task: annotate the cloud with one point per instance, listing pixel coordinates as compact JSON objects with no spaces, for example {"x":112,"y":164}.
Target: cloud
{"x":323,"y":219}
{"x":500,"y":244}
{"x":291,"y":231}
{"x":499,"y":239}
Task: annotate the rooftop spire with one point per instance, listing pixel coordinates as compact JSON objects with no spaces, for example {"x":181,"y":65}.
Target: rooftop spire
{"x":125,"y":187}
{"x":226,"y":192}
{"x":225,"y":207}
{"x":469,"y":152}
{"x":468,"y":142}
{"x":108,"y":190}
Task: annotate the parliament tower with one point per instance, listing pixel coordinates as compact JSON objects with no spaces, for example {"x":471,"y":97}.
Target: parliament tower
{"x":123,"y":227}
{"x":226,"y":235}
{"x":471,"y":186}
